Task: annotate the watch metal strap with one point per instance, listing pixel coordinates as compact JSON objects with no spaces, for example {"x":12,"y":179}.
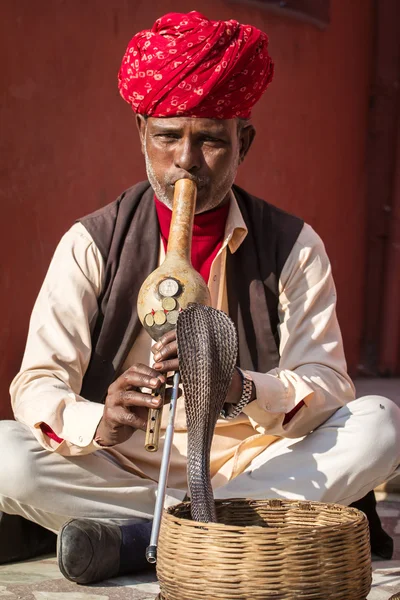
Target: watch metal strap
{"x":231,"y":411}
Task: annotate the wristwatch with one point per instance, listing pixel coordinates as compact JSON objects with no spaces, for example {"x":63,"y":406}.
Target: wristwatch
{"x":231,"y":411}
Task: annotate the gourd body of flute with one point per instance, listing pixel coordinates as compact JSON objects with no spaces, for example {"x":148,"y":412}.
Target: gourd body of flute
{"x":171,"y":287}
{"x":175,"y":284}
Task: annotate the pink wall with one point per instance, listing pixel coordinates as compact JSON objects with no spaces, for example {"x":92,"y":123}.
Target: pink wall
{"x":68,"y":142}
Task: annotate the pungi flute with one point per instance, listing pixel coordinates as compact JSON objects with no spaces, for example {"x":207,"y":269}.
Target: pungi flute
{"x":166,"y":291}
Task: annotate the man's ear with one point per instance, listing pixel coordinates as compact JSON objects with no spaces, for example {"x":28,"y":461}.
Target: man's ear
{"x":246,"y":137}
{"x":141,"y":125}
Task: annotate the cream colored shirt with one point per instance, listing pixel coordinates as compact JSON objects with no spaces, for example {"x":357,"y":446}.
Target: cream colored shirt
{"x":312,"y":367}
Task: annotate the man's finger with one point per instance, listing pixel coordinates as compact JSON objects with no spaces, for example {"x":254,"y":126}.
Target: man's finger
{"x":138,"y":376}
{"x":165,"y":339}
{"x":167,"y":352}
{"x":167,"y":365}
{"x":153,"y":381}
{"x":124,"y":416}
{"x":134,"y":398}
{"x":139,"y":368}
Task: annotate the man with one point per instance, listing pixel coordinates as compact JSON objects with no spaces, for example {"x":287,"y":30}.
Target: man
{"x":75,"y":461}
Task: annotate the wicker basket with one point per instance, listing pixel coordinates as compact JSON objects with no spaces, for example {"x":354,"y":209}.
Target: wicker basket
{"x":262,"y":549}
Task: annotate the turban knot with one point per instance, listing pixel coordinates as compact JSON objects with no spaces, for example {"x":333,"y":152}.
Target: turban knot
{"x":186,"y":65}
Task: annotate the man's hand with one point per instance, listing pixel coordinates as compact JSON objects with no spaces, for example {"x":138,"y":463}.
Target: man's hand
{"x":126,"y":407}
{"x":165,"y":354}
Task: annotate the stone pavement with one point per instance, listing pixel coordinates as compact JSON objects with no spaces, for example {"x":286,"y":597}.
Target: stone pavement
{"x":41,"y":579}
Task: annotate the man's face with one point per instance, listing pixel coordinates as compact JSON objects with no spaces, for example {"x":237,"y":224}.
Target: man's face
{"x":208,"y":151}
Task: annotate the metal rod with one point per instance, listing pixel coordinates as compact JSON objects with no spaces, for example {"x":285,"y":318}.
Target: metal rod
{"x":151,"y":550}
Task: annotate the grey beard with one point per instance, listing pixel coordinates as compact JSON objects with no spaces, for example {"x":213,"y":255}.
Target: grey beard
{"x":218,"y":193}
{"x":155,"y":184}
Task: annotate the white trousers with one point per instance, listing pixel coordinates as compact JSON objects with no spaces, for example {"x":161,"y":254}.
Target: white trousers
{"x":352,"y":452}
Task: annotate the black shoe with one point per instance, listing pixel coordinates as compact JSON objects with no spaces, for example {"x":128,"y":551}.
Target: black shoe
{"x":381,"y":542}
{"x":21,"y":539}
{"x":89,"y":551}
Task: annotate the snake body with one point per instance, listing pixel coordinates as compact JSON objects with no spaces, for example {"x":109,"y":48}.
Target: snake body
{"x":207,"y":352}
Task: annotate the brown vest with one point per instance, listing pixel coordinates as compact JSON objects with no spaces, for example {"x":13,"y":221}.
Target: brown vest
{"x":126,"y":233}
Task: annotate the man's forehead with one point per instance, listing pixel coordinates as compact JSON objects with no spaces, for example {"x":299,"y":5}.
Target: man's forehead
{"x":193,"y":123}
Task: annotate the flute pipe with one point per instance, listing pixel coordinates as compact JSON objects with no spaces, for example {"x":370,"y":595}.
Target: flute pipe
{"x":155,"y":317}
{"x":154,"y":423}
{"x":151,"y":550}
{"x":181,"y":228}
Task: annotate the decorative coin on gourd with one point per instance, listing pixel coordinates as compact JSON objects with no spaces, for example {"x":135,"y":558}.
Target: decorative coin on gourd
{"x":149,"y":320}
{"x":168,"y":287}
{"x":172,"y":317}
{"x":160,"y":317}
{"x":169,"y":303}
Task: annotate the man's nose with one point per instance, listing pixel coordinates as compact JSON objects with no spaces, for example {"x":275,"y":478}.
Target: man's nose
{"x":187,"y":156}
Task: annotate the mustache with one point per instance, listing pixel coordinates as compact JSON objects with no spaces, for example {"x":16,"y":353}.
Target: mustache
{"x":169,"y":179}
{"x":199,"y":180}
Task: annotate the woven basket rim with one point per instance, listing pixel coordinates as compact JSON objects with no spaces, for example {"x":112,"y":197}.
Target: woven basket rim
{"x":313,"y":506}
{"x":305,"y":549}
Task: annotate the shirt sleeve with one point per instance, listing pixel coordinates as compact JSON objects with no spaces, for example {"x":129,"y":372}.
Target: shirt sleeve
{"x":311,"y":382}
{"x":58,"y":349}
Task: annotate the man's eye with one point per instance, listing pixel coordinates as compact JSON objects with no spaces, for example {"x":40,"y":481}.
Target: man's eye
{"x":168,"y":136}
{"x":213,"y":140}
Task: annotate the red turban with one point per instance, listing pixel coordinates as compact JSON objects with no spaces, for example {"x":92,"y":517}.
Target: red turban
{"x":187,"y":65}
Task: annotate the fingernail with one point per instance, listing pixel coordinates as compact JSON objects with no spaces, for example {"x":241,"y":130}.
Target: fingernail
{"x":157,"y":357}
{"x":154,"y":381}
{"x":157,"y":346}
{"x":155,"y":401}
{"x":157,"y":366}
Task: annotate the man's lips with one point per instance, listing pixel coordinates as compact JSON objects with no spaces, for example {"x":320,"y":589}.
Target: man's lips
{"x":199,"y":186}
